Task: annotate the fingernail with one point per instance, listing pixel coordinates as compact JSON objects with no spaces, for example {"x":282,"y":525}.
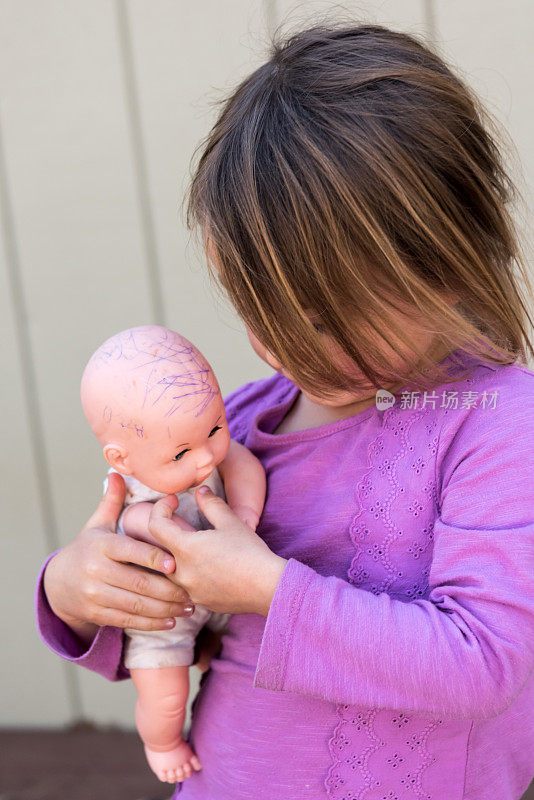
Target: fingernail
{"x":189,"y":609}
{"x":204,"y":490}
{"x":169,"y":623}
{"x":168,"y":563}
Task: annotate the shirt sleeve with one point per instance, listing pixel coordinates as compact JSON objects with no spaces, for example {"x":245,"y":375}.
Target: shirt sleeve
{"x":467,"y":650}
{"x":104,"y":655}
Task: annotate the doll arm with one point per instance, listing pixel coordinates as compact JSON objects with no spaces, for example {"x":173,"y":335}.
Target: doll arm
{"x":244,"y":482}
{"x":133,"y":521}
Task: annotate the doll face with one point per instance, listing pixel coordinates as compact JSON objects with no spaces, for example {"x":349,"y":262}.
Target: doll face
{"x":155,"y":405}
{"x":176,"y":456}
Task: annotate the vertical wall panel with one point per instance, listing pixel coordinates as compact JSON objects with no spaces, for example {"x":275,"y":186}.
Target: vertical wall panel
{"x":492,"y":51}
{"x":34,"y":682}
{"x":184,"y":58}
{"x":76,"y":220}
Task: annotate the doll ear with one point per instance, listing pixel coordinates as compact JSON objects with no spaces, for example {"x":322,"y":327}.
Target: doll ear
{"x":116,"y":456}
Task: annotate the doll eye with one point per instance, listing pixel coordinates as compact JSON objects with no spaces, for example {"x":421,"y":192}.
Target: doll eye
{"x":214,"y":431}
{"x":178,"y":457}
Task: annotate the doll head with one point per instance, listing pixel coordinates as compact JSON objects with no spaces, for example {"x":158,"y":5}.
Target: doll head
{"x":155,"y":405}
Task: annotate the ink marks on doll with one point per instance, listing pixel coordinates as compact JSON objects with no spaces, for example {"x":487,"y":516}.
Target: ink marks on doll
{"x":134,"y":426}
{"x":145,"y":367}
{"x":175,"y":389}
{"x":146,"y":346}
{"x":129,"y":424}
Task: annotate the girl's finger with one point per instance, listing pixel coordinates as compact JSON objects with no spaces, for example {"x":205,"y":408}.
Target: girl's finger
{"x":138,"y":605}
{"x":110,"y":507}
{"x":214,"y":508}
{"x":135,"y":579}
{"x":124,"y":619}
{"x":134,"y":551}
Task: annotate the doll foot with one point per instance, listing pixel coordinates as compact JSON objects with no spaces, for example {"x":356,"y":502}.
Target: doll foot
{"x":174,"y":765}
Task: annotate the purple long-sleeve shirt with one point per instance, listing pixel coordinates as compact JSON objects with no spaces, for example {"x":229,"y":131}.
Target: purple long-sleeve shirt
{"x":397,"y":657}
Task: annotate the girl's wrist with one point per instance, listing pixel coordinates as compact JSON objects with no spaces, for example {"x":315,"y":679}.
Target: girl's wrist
{"x":86,"y":631}
{"x":271,"y":576}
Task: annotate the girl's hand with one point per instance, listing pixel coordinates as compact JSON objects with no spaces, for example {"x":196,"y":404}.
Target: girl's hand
{"x":98,"y":579}
{"x":229,"y":569}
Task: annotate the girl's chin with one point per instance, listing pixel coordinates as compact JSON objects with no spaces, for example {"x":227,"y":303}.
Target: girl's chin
{"x":346,"y":399}
{"x":343,"y":399}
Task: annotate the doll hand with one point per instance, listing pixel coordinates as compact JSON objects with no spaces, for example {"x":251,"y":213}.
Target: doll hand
{"x":174,"y":765}
{"x":207,"y":644}
{"x":247,"y":515}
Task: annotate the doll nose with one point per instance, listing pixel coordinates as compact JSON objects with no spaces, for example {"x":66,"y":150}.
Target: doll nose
{"x":205,"y":459}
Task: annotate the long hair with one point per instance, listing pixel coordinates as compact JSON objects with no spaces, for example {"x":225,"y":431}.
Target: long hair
{"x":352,"y":178}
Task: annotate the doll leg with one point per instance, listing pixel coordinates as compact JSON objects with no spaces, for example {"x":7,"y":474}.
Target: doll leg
{"x":160,"y":715}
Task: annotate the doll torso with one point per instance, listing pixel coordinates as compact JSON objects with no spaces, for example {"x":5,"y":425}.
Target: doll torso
{"x":174,"y":647}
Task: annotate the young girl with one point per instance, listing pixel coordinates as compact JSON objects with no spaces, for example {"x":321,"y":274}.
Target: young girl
{"x":354,"y":206}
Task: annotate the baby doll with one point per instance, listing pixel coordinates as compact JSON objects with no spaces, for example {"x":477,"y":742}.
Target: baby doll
{"x":155,"y":405}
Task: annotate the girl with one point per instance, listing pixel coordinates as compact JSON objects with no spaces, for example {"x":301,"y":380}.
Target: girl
{"x":353,"y":204}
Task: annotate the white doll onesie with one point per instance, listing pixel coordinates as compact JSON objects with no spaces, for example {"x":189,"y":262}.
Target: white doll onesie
{"x":174,"y":647}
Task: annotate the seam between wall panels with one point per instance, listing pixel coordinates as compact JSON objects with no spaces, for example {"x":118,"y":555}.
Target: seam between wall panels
{"x":31,"y":399}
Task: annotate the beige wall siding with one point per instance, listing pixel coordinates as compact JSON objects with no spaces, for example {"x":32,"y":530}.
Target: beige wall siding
{"x":101,"y":107}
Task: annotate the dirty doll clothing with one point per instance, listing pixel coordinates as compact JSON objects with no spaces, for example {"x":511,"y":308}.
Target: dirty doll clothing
{"x":174,"y":647}
{"x":396,"y":660}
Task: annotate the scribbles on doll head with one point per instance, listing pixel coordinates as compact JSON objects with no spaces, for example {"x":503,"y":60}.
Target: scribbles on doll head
{"x":143,"y":367}
{"x":169,"y":367}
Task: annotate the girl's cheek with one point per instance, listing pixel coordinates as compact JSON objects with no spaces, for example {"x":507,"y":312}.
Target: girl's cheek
{"x":260,"y":351}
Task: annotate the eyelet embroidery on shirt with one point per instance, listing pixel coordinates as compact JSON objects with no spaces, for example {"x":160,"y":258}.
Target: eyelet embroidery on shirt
{"x":351,"y":768}
{"x":381,"y":499}
{"x":361,"y":734}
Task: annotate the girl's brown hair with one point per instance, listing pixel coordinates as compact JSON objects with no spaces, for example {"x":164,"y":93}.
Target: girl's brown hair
{"x":350,"y":177}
